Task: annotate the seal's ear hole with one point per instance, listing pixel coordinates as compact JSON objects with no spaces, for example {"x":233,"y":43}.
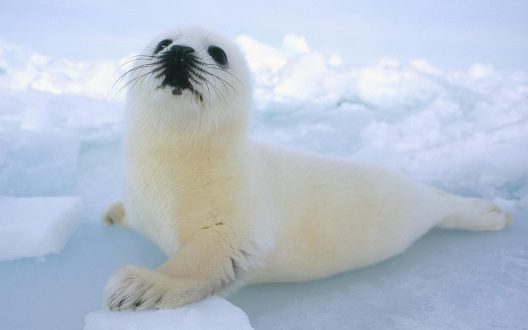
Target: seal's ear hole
{"x":217,"y":54}
{"x":162,"y":45}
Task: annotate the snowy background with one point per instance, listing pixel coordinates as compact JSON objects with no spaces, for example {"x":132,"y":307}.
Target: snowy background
{"x":437,"y":90}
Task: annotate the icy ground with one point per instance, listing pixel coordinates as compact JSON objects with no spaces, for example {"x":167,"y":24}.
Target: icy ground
{"x":465,"y":131}
{"x":36,"y":226}
{"x":211,"y":313}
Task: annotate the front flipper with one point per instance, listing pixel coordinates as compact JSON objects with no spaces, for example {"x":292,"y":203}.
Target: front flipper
{"x":209,"y":264}
{"x":115,"y":214}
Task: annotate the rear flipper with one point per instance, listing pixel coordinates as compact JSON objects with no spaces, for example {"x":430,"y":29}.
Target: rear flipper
{"x":474,"y":214}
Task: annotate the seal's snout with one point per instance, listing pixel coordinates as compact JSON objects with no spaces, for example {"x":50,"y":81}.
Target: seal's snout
{"x":178,"y":64}
{"x":179,"y":51}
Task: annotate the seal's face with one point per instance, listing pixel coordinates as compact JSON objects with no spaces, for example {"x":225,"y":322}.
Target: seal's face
{"x":190,"y":71}
{"x":181,"y":67}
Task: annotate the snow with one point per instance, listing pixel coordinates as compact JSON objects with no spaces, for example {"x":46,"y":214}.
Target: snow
{"x":464,"y":130}
{"x":26,"y":69}
{"x":35,"y":227}
{"x":213,"y":313}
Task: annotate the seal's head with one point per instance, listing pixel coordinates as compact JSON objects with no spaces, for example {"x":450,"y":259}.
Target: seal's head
{"x":190,"y":77}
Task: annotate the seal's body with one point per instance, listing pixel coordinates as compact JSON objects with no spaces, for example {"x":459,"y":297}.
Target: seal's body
{"x":228,"y":210}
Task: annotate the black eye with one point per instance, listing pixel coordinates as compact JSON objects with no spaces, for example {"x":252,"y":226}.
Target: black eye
{"x":217,"y":54}
{"x":162,"y":45}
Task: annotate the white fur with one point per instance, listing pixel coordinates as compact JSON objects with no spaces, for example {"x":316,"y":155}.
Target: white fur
{"x":228,"y":209}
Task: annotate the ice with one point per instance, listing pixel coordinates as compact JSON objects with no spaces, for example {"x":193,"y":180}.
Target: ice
{"x":37,"y":162}
{"x":41,"y":135}
{"x":213,"y":313}
{"x":24,"y":70}
{"x":409,"y":116}
{"x":37,"y":226}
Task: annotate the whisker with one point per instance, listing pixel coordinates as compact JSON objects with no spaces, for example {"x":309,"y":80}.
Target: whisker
{"x":223,"y":81}
{"x":213,"y":66}
{"x":132,"y":70}
{"x":216,"y":67}
{"x":141,"y":66}
{"x":206,"y":81}
{"x":134,"y":81}
{"x":136,"y":58}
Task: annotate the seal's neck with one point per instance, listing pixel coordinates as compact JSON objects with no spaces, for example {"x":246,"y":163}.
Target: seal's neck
{"x":146,"y":131}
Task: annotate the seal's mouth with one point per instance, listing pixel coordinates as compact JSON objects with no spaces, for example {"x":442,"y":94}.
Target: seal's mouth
{"x":176,"y":91}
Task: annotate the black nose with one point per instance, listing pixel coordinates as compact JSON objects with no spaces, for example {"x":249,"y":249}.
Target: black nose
{"x":177,"y":63}
{"x":180,"y":51}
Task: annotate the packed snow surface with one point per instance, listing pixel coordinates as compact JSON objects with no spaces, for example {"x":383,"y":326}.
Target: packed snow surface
{"x":464,"y":130}
{"x":35,"y":227}
{"x":213,"y":313}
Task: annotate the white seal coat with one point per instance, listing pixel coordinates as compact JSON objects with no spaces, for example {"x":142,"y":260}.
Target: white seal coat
{"x":229,"y":210}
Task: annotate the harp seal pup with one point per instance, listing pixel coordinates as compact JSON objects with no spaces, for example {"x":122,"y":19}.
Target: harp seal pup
{"x":228,"y":210}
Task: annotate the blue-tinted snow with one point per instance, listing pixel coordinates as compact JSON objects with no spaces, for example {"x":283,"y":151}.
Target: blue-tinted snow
{"x":211,"y":313}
